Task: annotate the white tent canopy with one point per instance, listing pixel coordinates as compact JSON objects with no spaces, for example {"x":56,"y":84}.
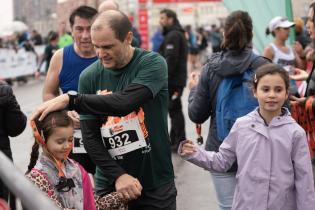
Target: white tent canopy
{"x":13,"y":27}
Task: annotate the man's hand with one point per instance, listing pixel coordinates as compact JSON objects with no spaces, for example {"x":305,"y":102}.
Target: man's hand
{"x":58,"y":103}
{"x":193,"y":79}
{"x":129,"y":187}
{"x":75,"y":117}
{"x":299,"y":74}
{"x":301,"y":101}
{"x":37,"y":75}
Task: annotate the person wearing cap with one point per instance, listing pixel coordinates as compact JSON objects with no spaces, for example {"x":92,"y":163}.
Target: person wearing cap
{"x":279,"y":52}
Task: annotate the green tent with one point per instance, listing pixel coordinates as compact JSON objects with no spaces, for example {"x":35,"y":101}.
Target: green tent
{"x":262,"y":11}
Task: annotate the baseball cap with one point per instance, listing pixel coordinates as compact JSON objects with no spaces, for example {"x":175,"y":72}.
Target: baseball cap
{"x":279,"y":22}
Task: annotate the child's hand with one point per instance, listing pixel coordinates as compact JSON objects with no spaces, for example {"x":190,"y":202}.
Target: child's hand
{"x":188,"y":148}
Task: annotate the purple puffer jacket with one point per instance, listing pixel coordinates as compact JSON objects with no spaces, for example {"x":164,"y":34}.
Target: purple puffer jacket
{"x":274,"y":165}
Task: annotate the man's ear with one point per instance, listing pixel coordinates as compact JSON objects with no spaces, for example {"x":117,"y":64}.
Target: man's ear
{"x":129,"y":37}
{"x":71,"y":31}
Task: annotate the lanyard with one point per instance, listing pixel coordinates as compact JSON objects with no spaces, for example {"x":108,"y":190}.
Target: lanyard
{"x":199,"y":137}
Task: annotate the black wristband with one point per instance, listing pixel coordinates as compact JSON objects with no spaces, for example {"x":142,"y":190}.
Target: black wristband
{"x":73,"y":95}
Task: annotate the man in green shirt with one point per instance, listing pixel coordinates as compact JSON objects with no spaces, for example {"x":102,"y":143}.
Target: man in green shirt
{"x":65,"y":39}
{"x":124,"y":126}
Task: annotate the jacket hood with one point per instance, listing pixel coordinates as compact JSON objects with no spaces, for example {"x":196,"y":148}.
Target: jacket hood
{"x":285,"y":118}
{"x":232,"y":62}
{"x":171,"y":28}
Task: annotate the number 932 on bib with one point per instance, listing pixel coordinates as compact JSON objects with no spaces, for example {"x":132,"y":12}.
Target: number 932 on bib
{"x":123,"y":137}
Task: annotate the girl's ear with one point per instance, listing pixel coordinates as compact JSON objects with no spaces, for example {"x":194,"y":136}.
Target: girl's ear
{"x":254,"y":93}
{"x":287,"y":94}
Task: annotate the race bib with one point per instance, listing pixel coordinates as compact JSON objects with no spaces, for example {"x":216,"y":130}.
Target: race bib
{"x":123,"y":137}
{"x":78,"y":146}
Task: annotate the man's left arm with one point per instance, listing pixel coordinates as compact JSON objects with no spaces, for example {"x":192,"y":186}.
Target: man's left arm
{"x":117,"y":104}
{"x":150,"y":80}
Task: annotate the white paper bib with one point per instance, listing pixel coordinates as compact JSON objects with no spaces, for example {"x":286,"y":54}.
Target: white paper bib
{"x":123,"y":137}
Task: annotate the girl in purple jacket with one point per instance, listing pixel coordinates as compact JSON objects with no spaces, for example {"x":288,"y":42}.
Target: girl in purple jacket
{"x":274,"y":165}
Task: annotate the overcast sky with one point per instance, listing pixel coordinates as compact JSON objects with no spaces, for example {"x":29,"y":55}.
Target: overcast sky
{"x":6,"y":12}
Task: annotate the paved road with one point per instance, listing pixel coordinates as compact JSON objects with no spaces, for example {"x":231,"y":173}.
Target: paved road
{"x":195,"y":189}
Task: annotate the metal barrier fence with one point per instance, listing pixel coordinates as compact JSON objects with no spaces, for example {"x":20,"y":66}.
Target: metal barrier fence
{"x":30,"y":196}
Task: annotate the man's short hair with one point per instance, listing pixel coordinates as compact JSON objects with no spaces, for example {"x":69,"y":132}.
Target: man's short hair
{"x":121,"y":26}
{"x":116,"y":20}
{"x":84,"y":12}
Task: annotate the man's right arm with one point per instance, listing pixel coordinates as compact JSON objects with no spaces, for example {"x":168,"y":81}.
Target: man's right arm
{"x":128,"y":186}
{"x":95,"y":148}
{"x":51,"y":85}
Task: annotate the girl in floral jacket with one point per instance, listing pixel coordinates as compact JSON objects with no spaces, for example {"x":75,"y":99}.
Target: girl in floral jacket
{"x":62,"y":179}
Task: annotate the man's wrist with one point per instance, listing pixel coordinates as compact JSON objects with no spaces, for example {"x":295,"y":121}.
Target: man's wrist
{"x":119,"y":174}
{"x":72,"y":102}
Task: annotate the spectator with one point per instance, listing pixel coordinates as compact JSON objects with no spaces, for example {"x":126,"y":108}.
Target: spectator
{"x":174,"y":49}
{"x":12,"y":123}
{"x":36,"y":38}
{"x":64,"y":38}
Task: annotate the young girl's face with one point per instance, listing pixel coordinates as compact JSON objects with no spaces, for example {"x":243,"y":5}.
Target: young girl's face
{"x":282,"y":33}
{"x":271,"y":93}
{"x":59,"y":141}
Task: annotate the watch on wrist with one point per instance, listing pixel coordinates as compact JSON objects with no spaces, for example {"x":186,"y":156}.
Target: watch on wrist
{"x":73,"y":95}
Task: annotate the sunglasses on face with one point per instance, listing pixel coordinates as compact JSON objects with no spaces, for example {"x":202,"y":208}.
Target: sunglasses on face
{"x":65,"y":184}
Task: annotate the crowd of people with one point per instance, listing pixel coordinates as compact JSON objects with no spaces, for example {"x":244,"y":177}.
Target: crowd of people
{"x":102,"y":127}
